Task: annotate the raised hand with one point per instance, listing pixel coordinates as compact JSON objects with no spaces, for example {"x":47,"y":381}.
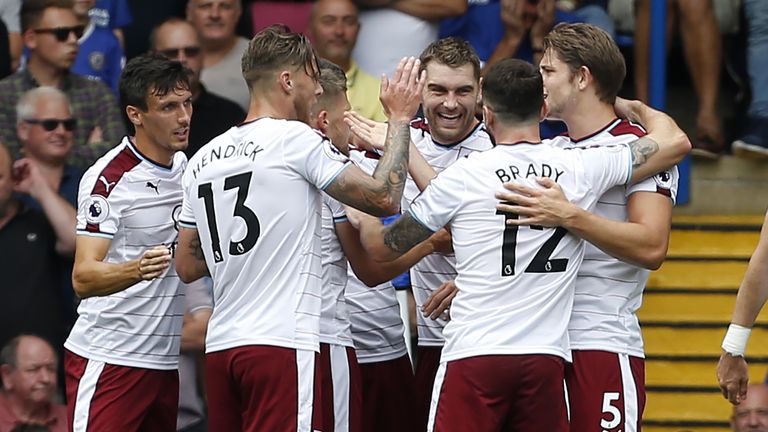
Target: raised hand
{"x":28,"y":179}
{"x":401,"y":96}
{"x":369,"y":134}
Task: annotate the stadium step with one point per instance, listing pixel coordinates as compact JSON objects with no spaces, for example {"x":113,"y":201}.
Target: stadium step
{"x":686,"y":308}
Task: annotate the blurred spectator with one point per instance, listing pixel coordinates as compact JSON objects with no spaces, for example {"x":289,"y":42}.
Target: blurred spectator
{"x":29,"y":261}
{"x":751,"y":415}
{"x":113,"y":14}
{"x":393,"y":29}
{"x":9,"y":13}
{"x":754,"y":141}
{"x":44,"y":116}
{"x":593,"y":12}
{"x":51,"y":32}
{"x":146,"y":15}
{"x":176,"y":39}
{"x":5,"y":51}
{"x":702,"y":47}
{"x":100,"y":55}
{"x":215,"y":21}
{"x":499,"y":29}
{"x":199,"y":304}
{"x":333,"y":28}
{"x":26,"y":427}
{"x":28,"y":367}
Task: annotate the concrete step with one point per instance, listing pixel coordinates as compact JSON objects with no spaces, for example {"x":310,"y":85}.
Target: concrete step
{"x":686,"y":406}
{"x":695,"y":341}
{"x":712,"y":244}
{"x":694,"y":373}
{"x":728,"y":186}
{"x":704,"y":274}
{"x":695,"y":307}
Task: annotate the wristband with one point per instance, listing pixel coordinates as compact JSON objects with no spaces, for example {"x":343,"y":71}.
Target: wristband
{"x":735,"y":341}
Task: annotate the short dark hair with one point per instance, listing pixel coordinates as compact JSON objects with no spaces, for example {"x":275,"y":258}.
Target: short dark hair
{"x":274,"y":47}
{"x":154,"y":73}
{"x":513,"y":89}
{"x":582,"y":44}
{"x":332,"y":79}
{"x":451,"y":51}
{"x":32,"y":11}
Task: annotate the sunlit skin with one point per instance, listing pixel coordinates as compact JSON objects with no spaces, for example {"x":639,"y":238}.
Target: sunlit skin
{"x":449,"y":100}
{"x":306,"y":91}
{"x":48,"y":146}
{"x":164,"y":128}
{"x":560,"y":88}
{"x":335,"y":127}
{"x":334,"y":27}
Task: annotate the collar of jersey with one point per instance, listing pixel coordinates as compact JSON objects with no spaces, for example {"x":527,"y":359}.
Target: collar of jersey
{"x":141,"y":156}
{"x":609,"y":126}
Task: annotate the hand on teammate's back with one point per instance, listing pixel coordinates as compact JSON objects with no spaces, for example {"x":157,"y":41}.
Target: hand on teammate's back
{"x":439,"y":302}
{"x":401,"y":95}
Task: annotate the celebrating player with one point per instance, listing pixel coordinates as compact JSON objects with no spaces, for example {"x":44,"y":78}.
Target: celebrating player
{"x":123,"y":351}
{"x":251,"y":217}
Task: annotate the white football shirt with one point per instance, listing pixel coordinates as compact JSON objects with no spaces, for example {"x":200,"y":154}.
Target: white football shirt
{"x":253,"y":195}
{"x":334,"y":316}
{"x":609,"y":292}
{"x":374,"y":312}
{"x":515,"y":283}
{"x":429,"y":273}
{"x":135,"y":203}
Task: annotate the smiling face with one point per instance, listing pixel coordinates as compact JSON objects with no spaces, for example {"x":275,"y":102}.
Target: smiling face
{"x":449,"y":100}
{"x":52,"y":146}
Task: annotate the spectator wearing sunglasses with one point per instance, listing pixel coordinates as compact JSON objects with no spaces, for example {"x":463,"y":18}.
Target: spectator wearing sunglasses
{"x":50,"y":31}
{"x":45,"y":128}
{"x":178,"y":40}
{"x":100,"y":55}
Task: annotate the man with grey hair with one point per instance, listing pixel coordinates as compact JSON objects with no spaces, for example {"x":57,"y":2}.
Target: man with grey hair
{"x":45,"y":128}
{"x":28,"y":370}
{"x":215,"y":21}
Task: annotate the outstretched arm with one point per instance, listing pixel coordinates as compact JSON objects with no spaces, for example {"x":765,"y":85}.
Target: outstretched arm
{"x":732,"y":371}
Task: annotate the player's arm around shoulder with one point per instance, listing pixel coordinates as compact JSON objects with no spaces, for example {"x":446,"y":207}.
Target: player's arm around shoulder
{"x":664,"y":146}
{"x":732,"y":371}
{"x":91,"y":276}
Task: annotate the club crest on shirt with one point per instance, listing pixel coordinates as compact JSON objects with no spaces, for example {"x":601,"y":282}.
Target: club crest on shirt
{"x":332,"y":152}
{"x":97,"y":210}
{"x":96,"y":60}
{"x":663,"y":179}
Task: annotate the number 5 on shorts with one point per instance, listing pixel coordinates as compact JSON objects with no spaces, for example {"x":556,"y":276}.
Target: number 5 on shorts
{"x":608,"y":408}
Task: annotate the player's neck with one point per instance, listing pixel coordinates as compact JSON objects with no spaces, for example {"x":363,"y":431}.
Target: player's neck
{"x":152,"y":151}
{"x":268,"y":105}
{"x":506,"y":135}
{"x":589,"y":118}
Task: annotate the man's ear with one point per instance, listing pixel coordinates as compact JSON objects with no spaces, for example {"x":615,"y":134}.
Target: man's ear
{"x":5,"y":374}
{"x":284,"y":79}
{"x":544,"y":111}
{"x":487,"y":116}
{"x":584,"y":75}
{"x":134,"y":115}
{"x":322,"y":121}
{"x":22,"y":130}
